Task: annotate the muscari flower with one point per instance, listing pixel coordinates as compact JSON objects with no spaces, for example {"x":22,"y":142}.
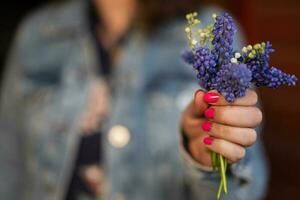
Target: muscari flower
{"x":223,"y":31}
{"x":262,"y":74}
{"x":205,"y":64}
{"x":274,"y":77}
{"x":232,"y":81}
{"x":219,"y":67}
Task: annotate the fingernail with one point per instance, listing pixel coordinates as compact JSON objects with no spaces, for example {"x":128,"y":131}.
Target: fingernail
{"x":206,"y":126}
{"x":208,"y":140}
{"x":209,"y":113}
{"x":211,"y":97}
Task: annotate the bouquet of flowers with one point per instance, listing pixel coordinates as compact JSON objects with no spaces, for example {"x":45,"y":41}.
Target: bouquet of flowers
{"x":230,"y":72}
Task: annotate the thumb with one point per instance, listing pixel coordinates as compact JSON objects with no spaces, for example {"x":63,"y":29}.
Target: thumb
{"x":199,"y":104}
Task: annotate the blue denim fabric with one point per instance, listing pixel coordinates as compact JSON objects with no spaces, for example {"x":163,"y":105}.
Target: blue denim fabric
{"x":52,"y":63}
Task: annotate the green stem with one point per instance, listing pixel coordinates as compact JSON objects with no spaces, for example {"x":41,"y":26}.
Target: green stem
{"x":213,"y":156}
{"x":223,"y":172}
{"x":221,"y":182}
{"x":220,"y":190}
{"x":225,"y":166}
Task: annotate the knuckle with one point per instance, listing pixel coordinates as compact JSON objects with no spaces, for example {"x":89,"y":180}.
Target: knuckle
{"x":221,"y":113}
{"x":251,"y":137}
{"x":222,"y":148}
{"x":239,"y":155}
{"x":243,"y":153}
{"x":257,"y":116}
{"x":254,"y":98}
{"x":221,"y":131}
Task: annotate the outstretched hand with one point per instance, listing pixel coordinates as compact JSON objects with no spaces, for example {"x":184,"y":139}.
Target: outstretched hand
{"x":211,"y":123}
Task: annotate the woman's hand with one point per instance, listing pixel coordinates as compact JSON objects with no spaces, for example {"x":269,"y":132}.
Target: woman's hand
{"x":211,"y":123}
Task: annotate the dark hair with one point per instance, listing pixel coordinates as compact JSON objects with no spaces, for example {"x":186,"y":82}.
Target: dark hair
{"x":153,"y":13}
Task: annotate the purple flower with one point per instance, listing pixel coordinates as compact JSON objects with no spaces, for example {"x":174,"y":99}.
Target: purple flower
{"x":263,"y":75}
{"x":275,"y":77}
{"x":232,"y":81}
{"x":205,"y":64}
{"x":220,"y":67}
{"x":187,"y":56}
{"x":223,"y":31}
{"x":261,"y":60}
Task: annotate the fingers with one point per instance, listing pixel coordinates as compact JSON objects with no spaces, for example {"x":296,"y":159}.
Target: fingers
{"x":225,"y":128}
{"x":201,"y":153}
{"x":231,"y":130}
{"x":195,"y":128}
{"x":241,"y":136}
{"x":231,"y":151}
{"x":238,"y":116}
{"x":214,"y":98}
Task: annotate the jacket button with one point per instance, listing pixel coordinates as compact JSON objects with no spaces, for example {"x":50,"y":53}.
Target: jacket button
{"x":119,"y":136}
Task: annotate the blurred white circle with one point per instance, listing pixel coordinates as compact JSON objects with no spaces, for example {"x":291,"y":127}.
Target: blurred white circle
{"x":119,"y":136}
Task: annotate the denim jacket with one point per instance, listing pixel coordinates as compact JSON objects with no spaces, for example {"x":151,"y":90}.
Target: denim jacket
{"x":52,"y":63}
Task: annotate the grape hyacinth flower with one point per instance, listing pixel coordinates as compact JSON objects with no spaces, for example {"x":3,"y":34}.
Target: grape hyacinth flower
{"x":230,"y":72}
{"x":275,"y":78}
{"x":258,"y":62}
{"x":205,"y":64}
{"x":223,"y":32}
{"x":233,"y":80}
{"x":210,"y":57}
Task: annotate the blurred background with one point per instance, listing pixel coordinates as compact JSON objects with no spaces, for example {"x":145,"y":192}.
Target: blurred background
{"x":274,"y":20}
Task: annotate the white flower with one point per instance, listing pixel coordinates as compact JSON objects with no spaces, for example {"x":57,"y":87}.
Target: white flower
{"x":237,"y":55}
{"x":233,"y":60}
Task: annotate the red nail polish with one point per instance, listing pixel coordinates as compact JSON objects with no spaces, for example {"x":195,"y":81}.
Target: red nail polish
{"x":209,"y":113}
{"x":211,"y":97}
{"x":208,"y":140}
{"x":206,"y":126}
